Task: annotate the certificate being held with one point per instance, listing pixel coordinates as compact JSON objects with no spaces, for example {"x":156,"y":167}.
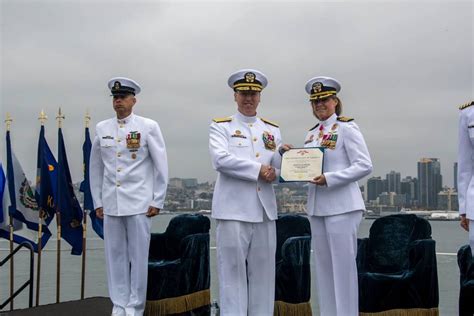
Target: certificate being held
{"x":301,"y":164}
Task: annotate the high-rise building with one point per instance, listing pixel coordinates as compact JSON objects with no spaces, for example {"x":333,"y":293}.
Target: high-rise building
{"x":393,"y":182}
{"x":374,"y":188}
{"x":430,"y":182}
{"x":455,"y":176}
{"x":409,"y":187}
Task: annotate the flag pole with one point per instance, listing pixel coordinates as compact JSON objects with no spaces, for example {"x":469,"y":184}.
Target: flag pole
{"x":60,"y":119}
{"x":87,"y":119}
{"x":8,"y":122}
{"x":42,"y":118}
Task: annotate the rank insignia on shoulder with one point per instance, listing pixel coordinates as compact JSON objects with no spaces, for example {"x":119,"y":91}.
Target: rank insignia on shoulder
{"x":222,"y":120}
{"x":269,"y":122}
{"x":312,"y":128}
{"x":344,"y":119}
{"x":466,"y":105}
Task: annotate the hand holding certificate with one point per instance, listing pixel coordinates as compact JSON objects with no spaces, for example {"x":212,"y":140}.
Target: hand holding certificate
{"x":301,"y":164}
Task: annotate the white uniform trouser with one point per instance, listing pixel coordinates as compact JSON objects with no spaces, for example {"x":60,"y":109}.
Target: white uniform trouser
{"x":246,"y":290}
{"x":127,"y":240}
{"x":334,"y":243}
{"x":471,"y":235}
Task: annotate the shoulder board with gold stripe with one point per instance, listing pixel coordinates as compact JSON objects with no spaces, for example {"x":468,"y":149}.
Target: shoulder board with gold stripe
{"x":344,"y":119}
{"x":312,"y":128}
{"x":222,"y":120}
{"x":466,"y":105}
{"x":269,"y":122}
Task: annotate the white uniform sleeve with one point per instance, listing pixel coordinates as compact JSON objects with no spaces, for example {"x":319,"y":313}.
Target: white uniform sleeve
{"x":465,"y":154}
{"x":157,"y":150}
{"x":96,"y":173}
{"x":276,"y":159}
{"x":360,"y":163}
{"x":227,"y":163}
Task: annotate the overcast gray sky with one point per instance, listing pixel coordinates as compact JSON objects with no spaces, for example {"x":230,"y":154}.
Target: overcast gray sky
{"x":404,"y":66}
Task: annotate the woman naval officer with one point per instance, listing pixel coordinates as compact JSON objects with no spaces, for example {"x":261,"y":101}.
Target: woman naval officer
{"x":335,"y":204}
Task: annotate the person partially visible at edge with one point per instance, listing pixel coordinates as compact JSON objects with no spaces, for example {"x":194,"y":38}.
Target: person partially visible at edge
{"x":129,"y":176}
{"x":335,"y":204}
{"x":465,"y":169}
{"x":244,"y":152}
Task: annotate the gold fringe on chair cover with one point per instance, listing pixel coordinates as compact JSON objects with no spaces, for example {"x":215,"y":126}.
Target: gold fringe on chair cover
{"x":180,"y":304}
{"x":406,"y":312}
{"x":288,"y":309}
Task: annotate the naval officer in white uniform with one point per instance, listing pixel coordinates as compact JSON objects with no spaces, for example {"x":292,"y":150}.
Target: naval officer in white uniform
{"x":335,"y":204}
{"x":244,"y":152}
{"x":465,"y":169}
{"x":129,"y":176}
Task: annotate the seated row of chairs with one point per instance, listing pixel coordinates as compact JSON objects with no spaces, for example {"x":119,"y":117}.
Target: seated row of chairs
{"x":396,"y":264}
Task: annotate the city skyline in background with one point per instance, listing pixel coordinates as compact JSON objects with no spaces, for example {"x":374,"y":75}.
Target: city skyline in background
{"x":402,"y":80}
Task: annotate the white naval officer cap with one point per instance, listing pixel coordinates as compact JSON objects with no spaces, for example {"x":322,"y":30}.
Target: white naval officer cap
{"x":322,"y":87}
{"x":247,"y":80}
{"x":123,"y":86}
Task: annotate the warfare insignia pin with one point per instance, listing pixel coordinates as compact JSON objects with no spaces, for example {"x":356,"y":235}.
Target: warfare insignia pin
{"x":269,"y":141}
{"x":133,"y":140}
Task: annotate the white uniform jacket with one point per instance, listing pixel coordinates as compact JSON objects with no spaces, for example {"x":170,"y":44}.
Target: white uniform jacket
{"x":237,"y":148}
{"x":465,"y":162}
{"x":346,"y":160}
{"x":128,"y":166}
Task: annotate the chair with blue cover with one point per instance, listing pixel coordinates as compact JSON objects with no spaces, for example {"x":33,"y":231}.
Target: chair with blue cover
{"x":178,"y":268}
{"x":466,"y":271}
{"x":293,"y":271}
{"x":397,"y":268}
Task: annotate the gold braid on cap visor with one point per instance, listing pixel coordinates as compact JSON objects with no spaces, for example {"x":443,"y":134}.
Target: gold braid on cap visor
{"x":248,"y":86}
{"x":321,"y":95}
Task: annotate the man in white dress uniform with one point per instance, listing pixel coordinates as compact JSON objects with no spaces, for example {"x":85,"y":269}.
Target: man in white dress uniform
{"x":128,"y":176}
{"x":465,"y":169}
{"x":244,"y":152}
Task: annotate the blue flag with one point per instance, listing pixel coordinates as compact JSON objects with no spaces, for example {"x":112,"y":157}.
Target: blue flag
{"x":2,"y":189}
{"x":67,"y":204}
{"x":46,"y":179}
{"x":97,"y":223}
{"x":23,"y":203}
